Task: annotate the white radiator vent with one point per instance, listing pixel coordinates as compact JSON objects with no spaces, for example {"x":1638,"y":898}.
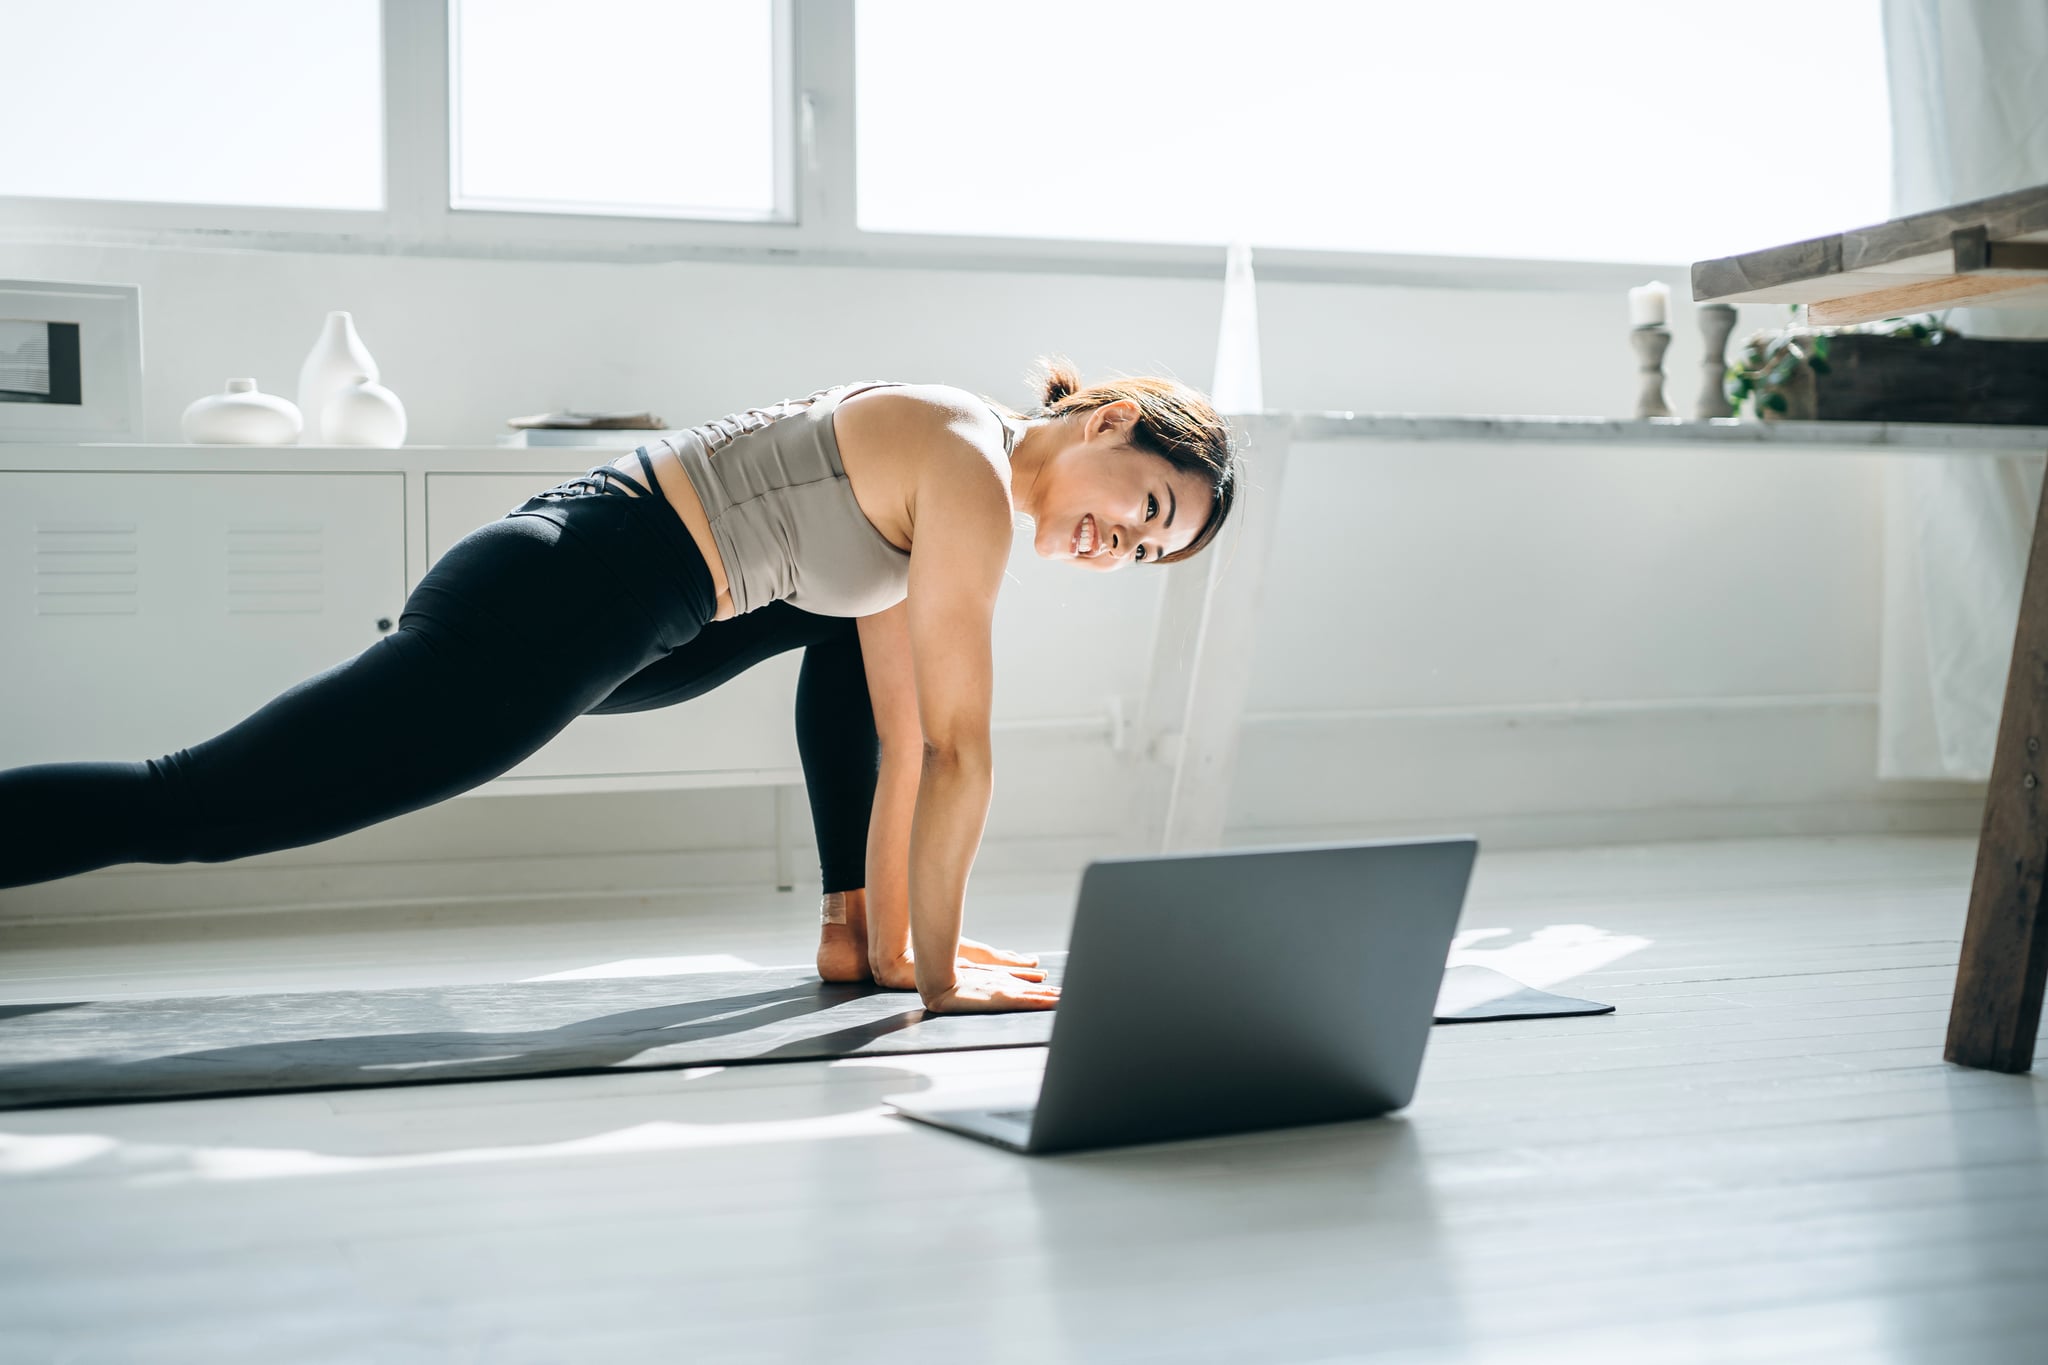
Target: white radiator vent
{"x":86,"y":568}
{"x":276,"y":569}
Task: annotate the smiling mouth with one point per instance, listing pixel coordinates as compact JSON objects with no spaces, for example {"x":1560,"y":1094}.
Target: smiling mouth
{"x":1086,"y":542}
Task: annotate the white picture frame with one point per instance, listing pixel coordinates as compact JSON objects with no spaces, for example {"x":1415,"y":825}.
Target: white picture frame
{"x":106,"y":403}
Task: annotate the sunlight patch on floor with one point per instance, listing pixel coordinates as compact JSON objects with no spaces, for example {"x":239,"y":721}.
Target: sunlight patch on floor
{"x":653,"y":966}
{"x":157,"y":1163}
{"x":1554,"y":953}
{"x":35,"y":1153}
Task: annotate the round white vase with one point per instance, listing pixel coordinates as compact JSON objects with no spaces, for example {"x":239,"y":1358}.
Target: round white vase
{"x":241,"y":417}
{"x":364,"y":414}
{"x":338,"y":359}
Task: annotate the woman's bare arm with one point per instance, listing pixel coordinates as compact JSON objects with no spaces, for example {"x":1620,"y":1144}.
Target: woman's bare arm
{"x":959,"y":550}
{"x":892,"y":690}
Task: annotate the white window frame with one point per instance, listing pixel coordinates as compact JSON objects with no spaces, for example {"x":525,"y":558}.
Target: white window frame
{"x":815,"y":175}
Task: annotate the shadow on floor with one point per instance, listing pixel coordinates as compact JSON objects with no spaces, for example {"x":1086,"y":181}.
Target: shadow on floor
{"x":780,"y":1024}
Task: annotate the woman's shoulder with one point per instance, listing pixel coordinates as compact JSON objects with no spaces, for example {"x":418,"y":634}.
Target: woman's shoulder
{"x":934,"y":411}
{"x":907,"y":441}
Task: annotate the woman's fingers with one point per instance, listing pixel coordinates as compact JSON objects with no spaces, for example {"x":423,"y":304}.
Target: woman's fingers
{"x":1013,"y":1002}
{"x":1020,"y":973}
{"x":978,"y":952}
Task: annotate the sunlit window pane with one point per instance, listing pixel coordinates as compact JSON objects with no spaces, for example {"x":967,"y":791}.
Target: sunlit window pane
{"x":1569,"y":129}
{"x":251,"y":102}
{"x":650,"y":107}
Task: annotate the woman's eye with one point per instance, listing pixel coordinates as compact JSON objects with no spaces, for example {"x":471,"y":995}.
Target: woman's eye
{"x":1141,"y":554}
{"x":1151,"y":507}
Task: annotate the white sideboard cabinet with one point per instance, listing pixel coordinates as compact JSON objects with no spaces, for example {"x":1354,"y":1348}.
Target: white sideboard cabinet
{"x":146,"y":611}
{"x":151,"y":596}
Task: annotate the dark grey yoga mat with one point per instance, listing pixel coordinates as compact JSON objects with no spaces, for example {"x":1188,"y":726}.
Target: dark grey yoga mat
{"x":116,"y":1051}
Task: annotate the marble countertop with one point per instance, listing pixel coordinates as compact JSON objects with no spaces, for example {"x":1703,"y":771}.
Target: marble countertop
{"x":1662,"y":431}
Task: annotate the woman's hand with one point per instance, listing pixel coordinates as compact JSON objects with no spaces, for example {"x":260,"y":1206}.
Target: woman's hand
{"x":991,"y":990}
{"x":983,"y":955}
{"x":900,"y":974}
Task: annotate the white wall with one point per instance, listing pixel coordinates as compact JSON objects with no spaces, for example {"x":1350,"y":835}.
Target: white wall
{"x":1533,"y":643}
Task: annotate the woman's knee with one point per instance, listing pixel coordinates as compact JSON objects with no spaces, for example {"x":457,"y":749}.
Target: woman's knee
{"x":722,"y":651}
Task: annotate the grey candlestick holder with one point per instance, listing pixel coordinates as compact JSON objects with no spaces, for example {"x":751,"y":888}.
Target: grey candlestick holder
{"x":1717,"y":320}
{"x":1651,"y":342}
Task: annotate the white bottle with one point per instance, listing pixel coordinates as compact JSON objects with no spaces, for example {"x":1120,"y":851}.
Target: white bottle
{"x":241,"y":417}
{"x":338,"y":359}
{"x":363,"y":414}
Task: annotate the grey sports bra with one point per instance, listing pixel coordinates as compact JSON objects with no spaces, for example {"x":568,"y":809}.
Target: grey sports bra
{"x":782,"y":513}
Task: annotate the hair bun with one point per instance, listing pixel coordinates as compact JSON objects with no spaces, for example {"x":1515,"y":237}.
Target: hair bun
{"x":1059,"y":381}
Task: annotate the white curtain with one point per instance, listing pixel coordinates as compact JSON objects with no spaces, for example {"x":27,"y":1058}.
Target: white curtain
{"x":1969,"y":100}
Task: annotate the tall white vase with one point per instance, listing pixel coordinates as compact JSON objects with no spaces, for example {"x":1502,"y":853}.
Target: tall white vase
{"x":1239,"y":387}
{"x":337,"y":361}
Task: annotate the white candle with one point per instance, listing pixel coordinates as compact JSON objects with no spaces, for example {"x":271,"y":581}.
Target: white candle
{"x":1648,"y":304}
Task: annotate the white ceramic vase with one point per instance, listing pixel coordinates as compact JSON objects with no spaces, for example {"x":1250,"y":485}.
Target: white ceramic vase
{"x":338,"y":360}
{"x":241,"y":417}
{"x":364,"y":414}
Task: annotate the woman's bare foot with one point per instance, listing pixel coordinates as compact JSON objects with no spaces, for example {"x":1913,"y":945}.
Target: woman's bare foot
{"x":843,"y":937}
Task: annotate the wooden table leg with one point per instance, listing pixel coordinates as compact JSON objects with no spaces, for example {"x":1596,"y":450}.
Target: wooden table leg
{"x":1996,"y":1014}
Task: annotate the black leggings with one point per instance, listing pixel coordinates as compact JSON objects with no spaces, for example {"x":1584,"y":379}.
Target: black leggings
{"x":588,"y":598}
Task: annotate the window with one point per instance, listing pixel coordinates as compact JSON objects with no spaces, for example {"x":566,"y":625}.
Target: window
{"x":1568,"y":130}
{"x":652,"y":108}
{"x":247,"y":102}
{"x":1401,"y":139}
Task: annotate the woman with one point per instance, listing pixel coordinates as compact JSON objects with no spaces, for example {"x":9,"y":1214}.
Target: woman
{"x":655,"y":578}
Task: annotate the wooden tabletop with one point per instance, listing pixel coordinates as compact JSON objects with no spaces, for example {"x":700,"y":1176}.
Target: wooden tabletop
{"x":1990,"y":251}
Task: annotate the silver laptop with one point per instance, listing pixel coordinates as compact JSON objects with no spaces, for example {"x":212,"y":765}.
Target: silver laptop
{"x":1224,"y":992}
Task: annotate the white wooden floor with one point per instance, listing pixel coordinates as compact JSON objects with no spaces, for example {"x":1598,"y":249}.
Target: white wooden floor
{"x":1761,"y":1157}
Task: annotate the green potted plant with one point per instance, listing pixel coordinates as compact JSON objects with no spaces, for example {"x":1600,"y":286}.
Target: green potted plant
{"x":1781,"y":374}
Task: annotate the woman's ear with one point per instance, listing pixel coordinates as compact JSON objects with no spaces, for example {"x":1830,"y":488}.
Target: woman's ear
{"x":1119,"y":419}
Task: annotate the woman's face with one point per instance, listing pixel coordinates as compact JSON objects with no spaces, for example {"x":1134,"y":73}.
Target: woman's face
{"x":1103,"y":503}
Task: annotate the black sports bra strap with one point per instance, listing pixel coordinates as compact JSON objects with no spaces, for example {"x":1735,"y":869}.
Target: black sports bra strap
{"x":653,"y":484}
